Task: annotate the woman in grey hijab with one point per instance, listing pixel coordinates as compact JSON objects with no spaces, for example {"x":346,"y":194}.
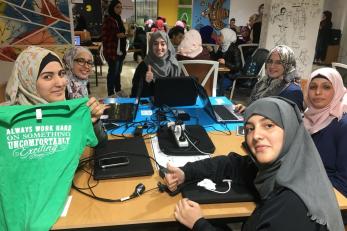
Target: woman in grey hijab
{"x":281,"y":78}
{"x":159,"y":62}
{"x":282,"y":163}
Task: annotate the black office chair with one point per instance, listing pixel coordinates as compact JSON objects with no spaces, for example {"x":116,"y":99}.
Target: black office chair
{"x":252,"y":68}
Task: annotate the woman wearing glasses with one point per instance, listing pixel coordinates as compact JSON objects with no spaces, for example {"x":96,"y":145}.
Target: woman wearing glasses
{"x":281,"y":78}
{"x":79,"y":63}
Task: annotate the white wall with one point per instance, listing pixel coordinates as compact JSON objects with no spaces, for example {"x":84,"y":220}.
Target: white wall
{"x":241,"y":10}
{"x":6,"y":70}
{"x":296,"y":28}
{"x":343,"y":44}
{"x":338,"y":9}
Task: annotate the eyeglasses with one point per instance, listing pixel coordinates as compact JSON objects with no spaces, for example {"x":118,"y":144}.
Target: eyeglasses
{"x":274,"y":62}
{"x":83,"y":62}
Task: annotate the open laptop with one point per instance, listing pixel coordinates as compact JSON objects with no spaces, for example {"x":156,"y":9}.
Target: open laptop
{"x":220,"y":113}
{"x":77,"y":40}
{"x":174,"y":91}
{"x":123,"y":112}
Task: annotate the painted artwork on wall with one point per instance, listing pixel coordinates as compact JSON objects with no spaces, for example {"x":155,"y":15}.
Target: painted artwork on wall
{"x":211,"y":12}
{"x":185,"y":13}
{"x":43,"y":23}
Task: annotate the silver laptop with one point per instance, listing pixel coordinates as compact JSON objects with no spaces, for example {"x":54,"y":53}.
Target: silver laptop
{"x":220,"y":113}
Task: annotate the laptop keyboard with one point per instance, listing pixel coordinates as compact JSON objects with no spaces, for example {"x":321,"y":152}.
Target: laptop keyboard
{"x":224,"y":113}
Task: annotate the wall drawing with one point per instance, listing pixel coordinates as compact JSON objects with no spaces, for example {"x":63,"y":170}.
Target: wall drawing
{"x":295,"y":23}
{"x":44,"y":23}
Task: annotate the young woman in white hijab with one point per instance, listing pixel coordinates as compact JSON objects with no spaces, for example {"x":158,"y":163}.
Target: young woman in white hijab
{"x":228,"y":55}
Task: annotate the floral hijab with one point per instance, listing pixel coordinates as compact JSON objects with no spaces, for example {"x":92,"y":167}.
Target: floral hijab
{"x":21,"y":87}
{"x":267,"y":86}
{"x":76,"y":87}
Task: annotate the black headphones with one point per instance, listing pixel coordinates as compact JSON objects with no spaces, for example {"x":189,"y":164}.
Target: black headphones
{"x":139,"y":190}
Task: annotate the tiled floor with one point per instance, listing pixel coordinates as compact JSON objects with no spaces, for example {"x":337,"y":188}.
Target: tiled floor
{"x":100,"y":91}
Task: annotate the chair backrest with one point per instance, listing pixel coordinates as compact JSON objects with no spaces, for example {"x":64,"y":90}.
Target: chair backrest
{"x":342,"y":69}
{"x":206,"y":72}
{"x":2,"y":92}
{"x":259,"y":57}
{"x":247,"y":51}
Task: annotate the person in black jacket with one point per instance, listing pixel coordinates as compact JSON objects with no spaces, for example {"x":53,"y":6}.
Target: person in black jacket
{"x":323,"y":38}
{"x":282,"y":163}
{"x":228,"y":55}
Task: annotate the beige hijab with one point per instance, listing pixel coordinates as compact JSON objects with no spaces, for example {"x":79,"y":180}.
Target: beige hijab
{"x":21,"y":87}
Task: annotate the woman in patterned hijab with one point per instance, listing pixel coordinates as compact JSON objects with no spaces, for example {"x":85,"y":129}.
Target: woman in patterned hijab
{"x":38,"y":77}
{"x":79,"y":63}
{"x":281,"y":78}
{"x":23,"y":87}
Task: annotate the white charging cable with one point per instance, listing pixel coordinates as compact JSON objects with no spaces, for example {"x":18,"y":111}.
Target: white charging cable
{"x":211,"y":186}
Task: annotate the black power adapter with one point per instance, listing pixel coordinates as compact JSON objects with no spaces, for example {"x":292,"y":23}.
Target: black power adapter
{"x":182,"y":115}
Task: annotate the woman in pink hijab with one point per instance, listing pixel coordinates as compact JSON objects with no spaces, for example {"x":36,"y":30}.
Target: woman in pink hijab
{"x":191,"y":47}
{"x":326,"y":120}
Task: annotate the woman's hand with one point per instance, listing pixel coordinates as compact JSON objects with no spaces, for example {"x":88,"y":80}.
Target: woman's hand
{"x":96,"y":109}
{"x":240,"y":108}
{"x":187,"y":212}
{"x":174,"y":177}
{"x":221,"y":61}
{"x":149,"y":74}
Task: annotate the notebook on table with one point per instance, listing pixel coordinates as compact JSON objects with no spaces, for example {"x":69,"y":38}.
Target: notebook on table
{"x":122,"y":112}
{"x":174,"y":91}
{"x":133,"y":149}
{"x":220,"y":113}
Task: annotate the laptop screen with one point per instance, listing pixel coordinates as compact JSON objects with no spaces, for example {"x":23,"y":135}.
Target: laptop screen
{"x":175,"y":91}
{"x":77,"y":40}
{"x":205,"y":101}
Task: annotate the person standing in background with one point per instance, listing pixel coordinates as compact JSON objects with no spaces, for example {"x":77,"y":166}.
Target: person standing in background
{"x":324,"y":35}
{"x":114,"y":46}
{"x":233,"y":26}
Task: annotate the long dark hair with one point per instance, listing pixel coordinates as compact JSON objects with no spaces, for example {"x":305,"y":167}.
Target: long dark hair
{"x":116,"y":16}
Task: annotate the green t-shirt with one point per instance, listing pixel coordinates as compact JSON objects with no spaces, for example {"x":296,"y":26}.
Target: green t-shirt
{"x":38,"y":159}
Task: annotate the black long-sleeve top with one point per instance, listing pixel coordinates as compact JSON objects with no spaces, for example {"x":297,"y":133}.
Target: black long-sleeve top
{"x":282,"y":210}
{"x":232,"y":58}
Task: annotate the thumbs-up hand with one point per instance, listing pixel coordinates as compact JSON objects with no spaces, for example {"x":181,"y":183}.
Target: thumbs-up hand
{"x":174,"y":177}
{"x":149,"y":74}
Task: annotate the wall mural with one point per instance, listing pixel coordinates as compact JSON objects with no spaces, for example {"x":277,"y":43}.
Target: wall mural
{"x":211,"y":12}
{"x":44,"y":23}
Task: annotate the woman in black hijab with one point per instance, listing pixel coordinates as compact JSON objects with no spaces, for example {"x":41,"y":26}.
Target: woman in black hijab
{"x":284,"y":166}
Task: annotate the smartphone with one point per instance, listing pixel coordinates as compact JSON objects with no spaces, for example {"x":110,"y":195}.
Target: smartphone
{"x":240,"y":131}
{"x":113,"y":161}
